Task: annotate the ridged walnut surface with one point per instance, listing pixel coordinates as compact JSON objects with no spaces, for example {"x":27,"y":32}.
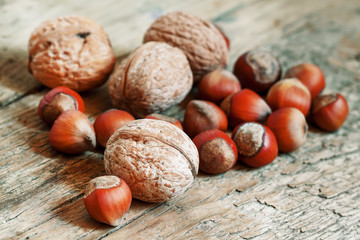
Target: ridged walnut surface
{"x":154,"y":77}
{"x":156,"y":159}
{"x":70,"y":51}
{"x":201,"y":41}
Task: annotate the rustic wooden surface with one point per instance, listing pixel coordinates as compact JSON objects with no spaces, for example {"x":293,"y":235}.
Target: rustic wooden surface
{"x":312,"y":193}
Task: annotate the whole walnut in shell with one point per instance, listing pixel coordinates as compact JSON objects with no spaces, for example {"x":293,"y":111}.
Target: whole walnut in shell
{"x":155,"y":158}
{"x":70,"y":51}
{"x":151,"y":79}
{"x":202,"y":42}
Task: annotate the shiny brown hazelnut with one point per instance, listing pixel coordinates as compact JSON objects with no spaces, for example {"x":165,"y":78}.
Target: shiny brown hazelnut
{"x":257,"y":70}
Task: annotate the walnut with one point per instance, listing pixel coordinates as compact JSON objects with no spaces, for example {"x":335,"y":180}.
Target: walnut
{"x":202,"y":42}
{"x":155,"y":158}
{"x":152,"y":78}
{"x":70,"y":51}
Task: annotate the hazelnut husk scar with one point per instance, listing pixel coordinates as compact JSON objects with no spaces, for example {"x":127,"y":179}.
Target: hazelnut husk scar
{"x":201,"y":41}
{"x":155,"y":158}
{"x":154,"y":77}
{"x":70,"y":51}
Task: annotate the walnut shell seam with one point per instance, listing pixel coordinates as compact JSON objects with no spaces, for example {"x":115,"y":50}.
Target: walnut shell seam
{"x":193,"y":168}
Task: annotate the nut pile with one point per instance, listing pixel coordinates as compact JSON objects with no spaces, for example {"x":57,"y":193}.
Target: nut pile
{"x":153,"y":157}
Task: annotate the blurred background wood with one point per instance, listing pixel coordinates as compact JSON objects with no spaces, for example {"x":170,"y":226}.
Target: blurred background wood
{"x":312,"y":193}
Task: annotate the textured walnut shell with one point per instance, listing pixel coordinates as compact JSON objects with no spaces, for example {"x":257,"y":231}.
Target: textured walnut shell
{"x":201,"y":41}
{"x":152,"y":78}
{"x":70,"y":51}
{"x":156,"y":159}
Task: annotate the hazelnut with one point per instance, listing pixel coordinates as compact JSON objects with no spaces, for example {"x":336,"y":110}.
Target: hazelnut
{"x":256,"y":144}
{"x":217,"y":85}
{"x":58,"y":100}
{"x":203,"y":115}
{"x":107,"y":199}
{"x":330,"y":111}
{"x":245,"y":106}
{"x":289,"y":127}
{"x":108,"y":122}
{"x":152,"y":78}
{"x":202,"y":42}
{"x":70,"y":51}
{"x":289,"y":92}
{"x":218,"y":152}
{"x":155,"y":158}
{"x":72,"y":133}
{"x":310,"y":75}
{"x":257,"y":70}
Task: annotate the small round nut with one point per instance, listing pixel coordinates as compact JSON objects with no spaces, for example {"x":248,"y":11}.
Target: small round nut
{"x":70,"y":51}
{"x":151,"y":79}
{"x":217,"y":151}
{"x":155,"y":158}
{"x":257,"y":70}
{"x":202,"y":42}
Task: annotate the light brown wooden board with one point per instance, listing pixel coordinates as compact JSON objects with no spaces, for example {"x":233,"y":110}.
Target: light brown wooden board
{"x":312,"y":193}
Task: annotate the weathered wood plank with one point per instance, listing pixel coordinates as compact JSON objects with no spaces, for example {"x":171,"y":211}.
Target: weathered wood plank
{"x":217,"y":210}
{"x":311,"y":193}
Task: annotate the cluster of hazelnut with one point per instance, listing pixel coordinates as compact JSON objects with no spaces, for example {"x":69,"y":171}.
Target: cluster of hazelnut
{"x":107,"y":198}
{"x":268,"y":115}
{"x":154,"y":160}
{"x":267,"y":112}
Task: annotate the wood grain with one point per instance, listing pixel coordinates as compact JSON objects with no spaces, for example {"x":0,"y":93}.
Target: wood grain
{"x":312,"y":193}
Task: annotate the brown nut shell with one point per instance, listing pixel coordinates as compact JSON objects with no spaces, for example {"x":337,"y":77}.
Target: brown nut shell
{"x":330,"y":111}
{"x":156,"y":159}
{"x":201,"y":41}
{"x":70,"y":51}
{"x":290,"y":128}
{"x":151,"y":79}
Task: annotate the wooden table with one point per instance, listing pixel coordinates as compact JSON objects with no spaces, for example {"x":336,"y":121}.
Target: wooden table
{"x":312,"y":193}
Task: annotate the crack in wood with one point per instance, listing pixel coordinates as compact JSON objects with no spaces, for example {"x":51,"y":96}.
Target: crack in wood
{"x":265,"y":203}
{"x":67,"y":202}
{"x":15,"y":201}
